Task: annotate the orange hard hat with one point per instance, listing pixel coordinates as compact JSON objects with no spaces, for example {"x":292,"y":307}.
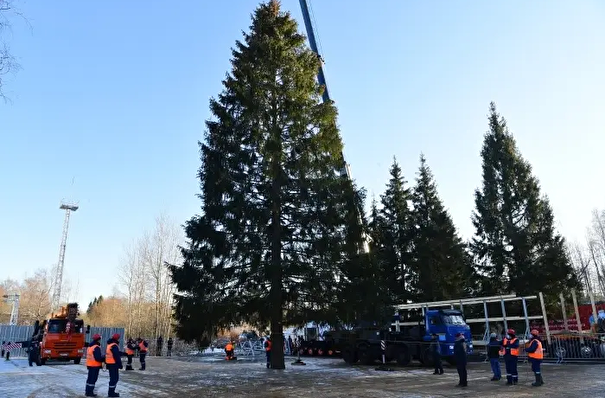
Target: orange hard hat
{"x":534,"y":332}
{"x":511,"y":331}
{"x":96,"y":337}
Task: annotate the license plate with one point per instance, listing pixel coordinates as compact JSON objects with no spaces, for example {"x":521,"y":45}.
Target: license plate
{"x":63,"y":355}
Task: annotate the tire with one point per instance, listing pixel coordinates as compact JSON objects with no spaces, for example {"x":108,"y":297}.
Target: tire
{"x":427,"y":358}
{"x":77,"y":361}
{"x":349,"y":355}
{"x":365,"y":354}
{"x":403,"y":356}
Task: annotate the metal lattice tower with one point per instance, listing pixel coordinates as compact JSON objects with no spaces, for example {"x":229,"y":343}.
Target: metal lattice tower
{"x":56,"y":302}
{"x":13,"y":298}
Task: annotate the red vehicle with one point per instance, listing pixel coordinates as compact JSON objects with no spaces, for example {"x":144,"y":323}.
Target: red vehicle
{"x":61,"y":337}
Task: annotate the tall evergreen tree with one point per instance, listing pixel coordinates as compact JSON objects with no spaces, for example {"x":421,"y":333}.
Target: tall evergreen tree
{"x":516,"y":245}
{"x":392,"y":240}
{"x":439,"y":256}
{"x":274,"y":233}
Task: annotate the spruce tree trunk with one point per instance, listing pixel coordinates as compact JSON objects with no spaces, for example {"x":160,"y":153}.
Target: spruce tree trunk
{"x":275,"y":293}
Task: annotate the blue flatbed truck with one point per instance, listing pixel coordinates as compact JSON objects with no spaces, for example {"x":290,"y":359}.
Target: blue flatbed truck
{"x":408,"y":340}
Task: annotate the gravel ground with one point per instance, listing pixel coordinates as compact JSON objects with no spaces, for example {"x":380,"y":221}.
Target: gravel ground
{"x":325,"y":378}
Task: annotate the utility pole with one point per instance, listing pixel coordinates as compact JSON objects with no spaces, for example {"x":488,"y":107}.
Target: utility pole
{"x":13,"y":298}
{"x":56,"y":302}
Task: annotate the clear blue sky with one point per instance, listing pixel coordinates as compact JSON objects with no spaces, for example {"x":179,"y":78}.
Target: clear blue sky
{"x":114,"y":95}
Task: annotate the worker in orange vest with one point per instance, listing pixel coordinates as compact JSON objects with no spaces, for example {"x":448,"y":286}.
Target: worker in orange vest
{"x":510,"y":350}
{"x":535,"y":355}
{"x":94,"y":362}
{"x":130,"y":349}
{"x":143,"y":345}
{"x":229,"y":351}
{"x":268,"y":351}
{"x":113,"y":361}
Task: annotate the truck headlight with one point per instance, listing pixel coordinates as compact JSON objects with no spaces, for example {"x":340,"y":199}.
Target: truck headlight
{"x":47,"y":351}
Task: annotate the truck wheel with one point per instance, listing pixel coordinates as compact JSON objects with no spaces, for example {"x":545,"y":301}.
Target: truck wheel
{"x":427,"y":358}
{"x":349,"y":355}
{"x":365,"y":355}
{"x":403,"y":356}
{"x":77,"y":361}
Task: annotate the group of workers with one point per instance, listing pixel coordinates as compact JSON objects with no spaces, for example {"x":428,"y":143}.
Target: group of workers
{"x":230,"y":351}
{"x":507,"y":348}
{"x":113,"y":361}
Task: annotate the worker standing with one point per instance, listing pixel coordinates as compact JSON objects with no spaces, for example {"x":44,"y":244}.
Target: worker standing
{"x":535,"y":355}
{"x":94,"y":362}
{"x":169,"y":347}
{"x":436,"y":350}
{"x":510,"y":350}
{"x":229,"y":351}
{"x":142,"y":352}
{"x":158,"y":347}
{"x":460,"y":358}
{"x":130,"y":349}
{"x":268,"y":351}
{"x":493,"y":353}
{"x":114,"y":364}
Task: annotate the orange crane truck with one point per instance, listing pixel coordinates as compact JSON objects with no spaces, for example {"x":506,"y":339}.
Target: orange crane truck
{"x":61,"y":336}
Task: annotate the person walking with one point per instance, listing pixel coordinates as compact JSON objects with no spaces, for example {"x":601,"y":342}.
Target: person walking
{"x":493,"y":353}
{"x":535,"y":356}
{"x":436,"y":351}
{"x":460,"y":358}
{"x":94,"y":362}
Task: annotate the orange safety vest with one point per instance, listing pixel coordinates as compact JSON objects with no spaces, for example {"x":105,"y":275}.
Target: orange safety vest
{"x":129,"y":351}
{"x":513,"y":351}
{"x":268,"y":347}
{"x":538,"y":354}
{"x":229,"y":347}
{"x":109,"y":359}
{"x":90,"y":357}
{"x":142,"y":347}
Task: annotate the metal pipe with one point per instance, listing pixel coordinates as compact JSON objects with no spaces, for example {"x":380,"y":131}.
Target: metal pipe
{"x":486,"y":318}
{"x":563,"y":311}
{"x":504,"y":315}
{"x":546,"y":329}
{"x":525,"y":315}
{"x":594,"y":307}
{"x":477,"y":300}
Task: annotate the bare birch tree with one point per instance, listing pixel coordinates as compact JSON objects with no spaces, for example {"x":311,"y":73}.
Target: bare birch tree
{"x":145,"y":282}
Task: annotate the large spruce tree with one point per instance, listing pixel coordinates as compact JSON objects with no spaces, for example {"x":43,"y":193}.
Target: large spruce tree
{"x":391,"y":237}
{"x":438,"y":255}
{"x":516,"y":245}
{"x":274,"y":234}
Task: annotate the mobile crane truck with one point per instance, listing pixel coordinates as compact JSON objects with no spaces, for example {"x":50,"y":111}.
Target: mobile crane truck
{"x":59,"y":337}
{"x":408,"y":340}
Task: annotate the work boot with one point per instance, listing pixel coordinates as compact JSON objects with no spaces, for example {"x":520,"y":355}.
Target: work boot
{"x":494,"y":378}
{"x":541,"y":379}
{"x":90,"y":392}
{"x":509,"y":380}
{"x":112,"y":393}
{"x":129,"y":367}
{"x":515,"y":380}
{"x":537,"y":382}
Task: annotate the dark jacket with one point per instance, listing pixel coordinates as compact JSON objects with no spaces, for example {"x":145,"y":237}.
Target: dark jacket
{"x":117,"y":354}
{"x":533,"y":346}
{"x":170,"y":342}
{"x":493,"y":349}
{"x":460,"y":352}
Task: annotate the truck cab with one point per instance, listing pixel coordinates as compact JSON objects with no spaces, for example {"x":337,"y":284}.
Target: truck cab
{"x":446,"y":324}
